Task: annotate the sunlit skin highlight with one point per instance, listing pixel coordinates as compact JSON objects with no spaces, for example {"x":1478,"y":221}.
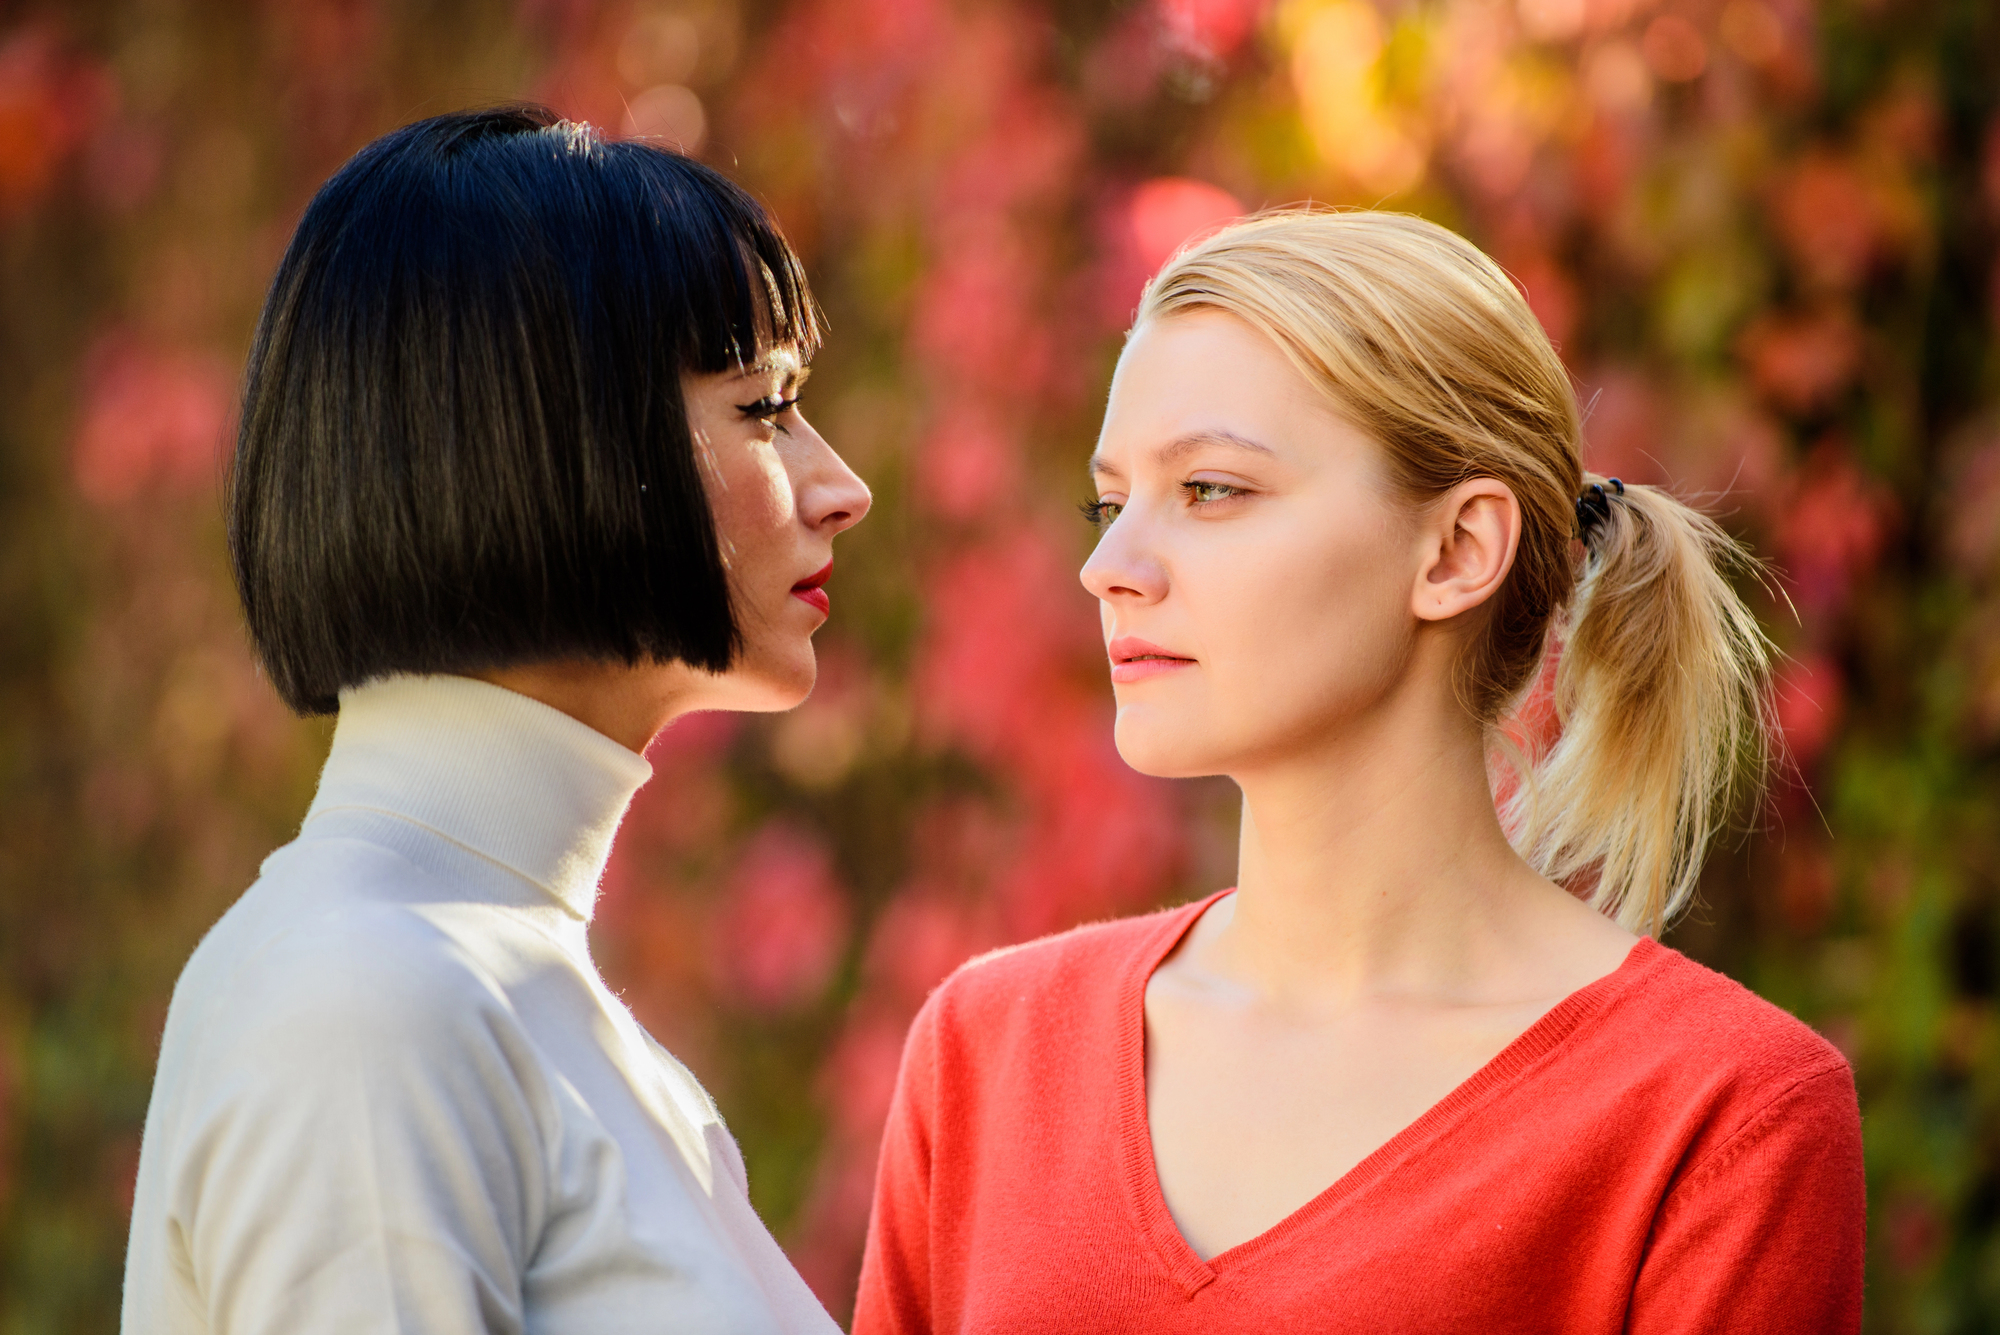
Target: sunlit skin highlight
{"x":1277,"y":611}
{"x":779,"y":495}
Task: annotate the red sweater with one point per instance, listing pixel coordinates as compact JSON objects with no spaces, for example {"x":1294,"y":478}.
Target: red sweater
{"x":1662,"y":1152}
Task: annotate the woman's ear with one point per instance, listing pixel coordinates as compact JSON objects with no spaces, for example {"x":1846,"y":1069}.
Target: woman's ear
{"x":1468,"y":540}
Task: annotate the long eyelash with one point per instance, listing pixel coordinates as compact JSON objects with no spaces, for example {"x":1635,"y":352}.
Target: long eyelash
{"x":1188,"y":489}
{"x":768,"y":407}
{"x":1093,"y":512}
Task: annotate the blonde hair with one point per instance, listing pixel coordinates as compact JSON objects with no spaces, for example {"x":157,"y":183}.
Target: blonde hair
{"x":1662,"y":675}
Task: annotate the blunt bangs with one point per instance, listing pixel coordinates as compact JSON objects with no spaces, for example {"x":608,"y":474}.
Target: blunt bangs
{"x":463,"y":441}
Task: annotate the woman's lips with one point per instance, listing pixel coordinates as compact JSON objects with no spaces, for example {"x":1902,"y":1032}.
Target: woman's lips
{"x":808,"y":590}
{"x":1134,"y":659}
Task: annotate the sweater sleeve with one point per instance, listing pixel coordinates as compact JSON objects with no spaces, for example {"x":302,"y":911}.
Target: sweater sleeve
{"x":1766,"y":1233}
{"x":895,"y":1296}
{"x":368,"y":1152}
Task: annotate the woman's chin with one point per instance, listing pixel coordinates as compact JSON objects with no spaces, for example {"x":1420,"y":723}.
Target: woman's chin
{"x":1152,"y":747}
{"x":762,"y":682}
{"x":782,"y":682}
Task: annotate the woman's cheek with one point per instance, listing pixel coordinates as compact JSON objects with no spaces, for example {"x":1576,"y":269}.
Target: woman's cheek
{"x":767,"y":492}
{"x":1239,"y":600}
{"x":754,"y":505}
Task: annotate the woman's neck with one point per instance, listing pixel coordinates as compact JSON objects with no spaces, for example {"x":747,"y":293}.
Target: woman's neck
{"x":630,"y":704}
{"x":1373,"y":865}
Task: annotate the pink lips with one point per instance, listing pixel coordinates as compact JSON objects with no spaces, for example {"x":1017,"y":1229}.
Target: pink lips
{"x":808,"y":590}
{"x":1134,"y":659}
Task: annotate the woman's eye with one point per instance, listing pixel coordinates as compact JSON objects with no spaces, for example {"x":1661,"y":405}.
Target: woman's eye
{"x":769,"y":408}
{"x":1100,"y":513}
{"x":1202,"y":493}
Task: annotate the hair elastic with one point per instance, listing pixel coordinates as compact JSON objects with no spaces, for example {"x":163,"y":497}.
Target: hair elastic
{"x":1593,"y":507}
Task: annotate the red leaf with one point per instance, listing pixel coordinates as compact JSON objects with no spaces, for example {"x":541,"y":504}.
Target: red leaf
{"x":780,"y":930}
{"x":151,"y":417}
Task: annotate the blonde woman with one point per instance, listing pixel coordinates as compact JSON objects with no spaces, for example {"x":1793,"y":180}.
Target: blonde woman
{"x":1426,"y":1067}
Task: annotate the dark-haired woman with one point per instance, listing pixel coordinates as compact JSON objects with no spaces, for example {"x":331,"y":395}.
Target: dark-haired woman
{"x":521,"y":478}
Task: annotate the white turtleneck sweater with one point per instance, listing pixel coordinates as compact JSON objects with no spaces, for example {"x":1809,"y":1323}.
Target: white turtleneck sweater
{"x":394,"y":1094}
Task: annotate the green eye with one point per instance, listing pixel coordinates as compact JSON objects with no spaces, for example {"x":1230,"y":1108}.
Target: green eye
{"x":1100,"y":513}
{"x":1203,"y":492}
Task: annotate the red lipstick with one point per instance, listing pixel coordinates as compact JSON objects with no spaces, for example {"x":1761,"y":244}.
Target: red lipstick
{"x":808,"y":590}
{"x":1134,"y":659}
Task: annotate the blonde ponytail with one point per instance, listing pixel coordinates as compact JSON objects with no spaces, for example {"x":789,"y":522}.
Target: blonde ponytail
{"x":1662,"y":680}
{"x":1661,"y":691}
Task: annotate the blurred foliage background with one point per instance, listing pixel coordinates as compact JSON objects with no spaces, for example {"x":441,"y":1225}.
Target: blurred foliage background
{"x":1762,"y":232}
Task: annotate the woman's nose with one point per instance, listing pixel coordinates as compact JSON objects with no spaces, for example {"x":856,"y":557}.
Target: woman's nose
{"x":834,"y":497}
{"x":1121,"y":568}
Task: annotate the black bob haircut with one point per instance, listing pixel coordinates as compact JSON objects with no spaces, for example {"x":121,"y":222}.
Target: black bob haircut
{"x":463,"y":441}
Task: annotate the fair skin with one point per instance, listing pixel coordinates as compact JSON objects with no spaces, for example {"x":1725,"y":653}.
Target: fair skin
{"x":779,"y":494}
{"x":1300,"y":620}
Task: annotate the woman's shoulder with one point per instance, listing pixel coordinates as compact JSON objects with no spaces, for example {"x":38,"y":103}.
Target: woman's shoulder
{"x":319,"y":955}
{"x":1065,"y":970}
{"x":1692,"y":1009}
{"x":1705,"y":1053}
{"x":1732,"y":1095}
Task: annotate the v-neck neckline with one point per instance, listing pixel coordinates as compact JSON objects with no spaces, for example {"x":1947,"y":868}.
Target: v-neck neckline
{"x":1141,"y":1172}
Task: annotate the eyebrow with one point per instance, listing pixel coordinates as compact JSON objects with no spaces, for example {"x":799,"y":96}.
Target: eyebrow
{"x":1181,"y":447}
{"x":774,"y":359}
{"x":778,"y":360}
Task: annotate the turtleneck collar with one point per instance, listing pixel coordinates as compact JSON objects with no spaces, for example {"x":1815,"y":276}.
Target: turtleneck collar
{"x":510,"y":778}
